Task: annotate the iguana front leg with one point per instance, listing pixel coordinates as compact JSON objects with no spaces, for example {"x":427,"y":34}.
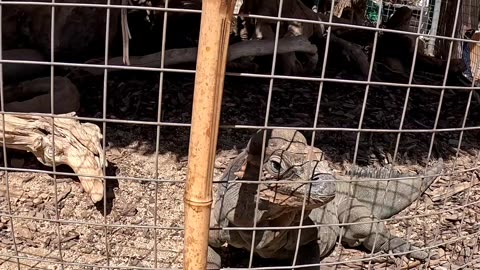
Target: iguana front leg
{"x":290,"y":175}
{"x":369,"y":232}
{"x":327,"y":233}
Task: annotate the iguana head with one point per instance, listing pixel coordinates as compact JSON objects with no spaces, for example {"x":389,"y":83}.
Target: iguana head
{"x":289,"y":158}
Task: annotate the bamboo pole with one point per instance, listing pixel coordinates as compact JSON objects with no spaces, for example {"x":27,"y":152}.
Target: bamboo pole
{"x":207,"y":99}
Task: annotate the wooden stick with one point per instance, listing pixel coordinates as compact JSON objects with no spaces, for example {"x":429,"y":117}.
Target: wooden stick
{"x":76,"y":145}
{"x":207,"y":99}
{"x":189,"y":55}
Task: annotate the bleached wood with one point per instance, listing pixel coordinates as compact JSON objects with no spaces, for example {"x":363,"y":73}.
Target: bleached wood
{"x":76,"y":145}
{"x":189,"y":55}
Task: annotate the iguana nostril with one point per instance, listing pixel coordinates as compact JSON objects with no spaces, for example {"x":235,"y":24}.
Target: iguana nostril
{"x":322,"y":176}
{"x":323,"y":184}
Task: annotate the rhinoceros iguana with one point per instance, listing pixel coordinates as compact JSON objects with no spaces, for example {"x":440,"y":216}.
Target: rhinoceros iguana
{"x":329,"y":200}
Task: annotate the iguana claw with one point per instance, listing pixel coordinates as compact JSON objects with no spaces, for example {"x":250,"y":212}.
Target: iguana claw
{"x":398,"y":245}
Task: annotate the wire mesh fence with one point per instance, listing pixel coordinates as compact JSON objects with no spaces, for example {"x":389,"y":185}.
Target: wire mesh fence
{"x":421,"y":9}
{"x":348,"y":136}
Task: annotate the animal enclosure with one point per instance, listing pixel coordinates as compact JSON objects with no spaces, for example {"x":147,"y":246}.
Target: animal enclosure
{"x":241,"y":134}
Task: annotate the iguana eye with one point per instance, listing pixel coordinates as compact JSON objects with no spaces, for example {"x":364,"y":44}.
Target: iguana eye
{"x":276,"y":166}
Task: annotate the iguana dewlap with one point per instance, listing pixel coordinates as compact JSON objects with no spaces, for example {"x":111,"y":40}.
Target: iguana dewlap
{"x":330,"y":200}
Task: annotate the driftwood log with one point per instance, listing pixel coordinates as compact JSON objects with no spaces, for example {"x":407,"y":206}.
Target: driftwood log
{"x":188,"y":55}
{"x":76,"y":145}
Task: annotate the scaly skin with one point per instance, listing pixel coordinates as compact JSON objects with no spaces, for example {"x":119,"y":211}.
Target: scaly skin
{"x":370,"y":201}
{"x":360,"y":201}
{"x":235,"y":202}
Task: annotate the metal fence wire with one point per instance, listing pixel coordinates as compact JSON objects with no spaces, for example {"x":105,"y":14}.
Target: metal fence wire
{"x":246,"y":134}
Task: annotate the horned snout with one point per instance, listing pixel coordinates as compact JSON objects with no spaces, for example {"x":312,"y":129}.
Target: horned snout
{"x":323,"y":187}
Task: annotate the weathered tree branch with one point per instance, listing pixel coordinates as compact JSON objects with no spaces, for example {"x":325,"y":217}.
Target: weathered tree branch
{"x":76,"y":145}
{"x":235,"y":51}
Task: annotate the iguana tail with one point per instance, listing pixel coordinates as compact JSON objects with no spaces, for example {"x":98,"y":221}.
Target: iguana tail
{"x":389,"y":197}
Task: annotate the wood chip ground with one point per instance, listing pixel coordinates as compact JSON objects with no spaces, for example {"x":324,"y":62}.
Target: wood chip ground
{"x":134,"y":207}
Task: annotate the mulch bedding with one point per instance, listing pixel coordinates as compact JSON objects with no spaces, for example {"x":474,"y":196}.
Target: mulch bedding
{"x":446,"y":217}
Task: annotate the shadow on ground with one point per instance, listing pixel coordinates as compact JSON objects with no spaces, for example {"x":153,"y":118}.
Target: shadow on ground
{"x":293,"y":103}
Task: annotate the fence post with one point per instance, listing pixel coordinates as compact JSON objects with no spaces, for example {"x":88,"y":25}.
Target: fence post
{"x":207,"y":99}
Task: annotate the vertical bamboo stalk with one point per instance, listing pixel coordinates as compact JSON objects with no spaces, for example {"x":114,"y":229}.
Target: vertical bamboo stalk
{"x":207,"y":99}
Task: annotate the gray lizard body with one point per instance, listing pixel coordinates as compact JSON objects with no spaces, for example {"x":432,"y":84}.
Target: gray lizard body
{"x":364,"y":200}
{"x":354,"y":201}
